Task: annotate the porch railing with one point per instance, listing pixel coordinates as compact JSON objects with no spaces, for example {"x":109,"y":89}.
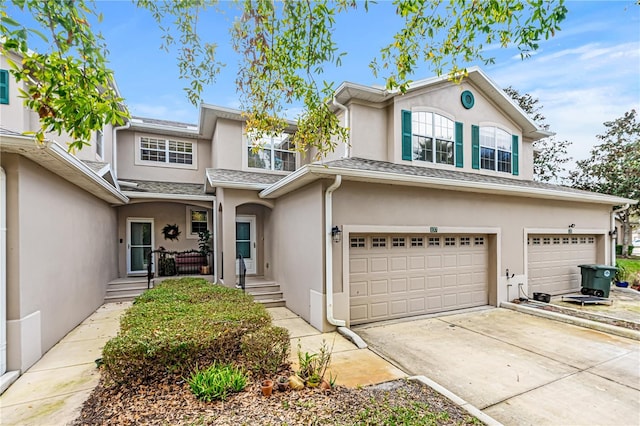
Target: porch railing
{"x":165,"y":263}
{"x":242,"y":272}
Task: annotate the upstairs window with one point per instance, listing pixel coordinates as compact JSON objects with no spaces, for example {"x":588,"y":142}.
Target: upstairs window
{"x":167,"y":151}
{"x":433,"y":138}
{"x":495,"y":149}
{"x":272,"y":153}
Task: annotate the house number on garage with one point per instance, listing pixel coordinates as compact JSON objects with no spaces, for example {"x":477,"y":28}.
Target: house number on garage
{"x":433,"y":229}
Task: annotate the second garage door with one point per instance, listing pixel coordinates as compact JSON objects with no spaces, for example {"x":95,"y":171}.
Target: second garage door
{"x":553,"y":262}
{"x":394,"y":276}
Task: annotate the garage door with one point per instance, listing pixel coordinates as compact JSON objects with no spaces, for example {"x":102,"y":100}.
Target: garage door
{"x":553,"y":262}
{"x":394,"y":276}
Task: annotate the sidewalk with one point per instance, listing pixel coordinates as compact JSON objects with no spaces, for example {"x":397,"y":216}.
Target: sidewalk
{"x":53,"y":390}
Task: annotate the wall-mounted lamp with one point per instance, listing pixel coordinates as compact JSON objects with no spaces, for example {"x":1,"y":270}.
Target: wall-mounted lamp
{"x":571,"y":226}
{"x":336,"y":234}
{"x":614,"y":232}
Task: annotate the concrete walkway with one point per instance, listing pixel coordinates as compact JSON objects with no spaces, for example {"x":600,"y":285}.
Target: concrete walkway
{"x":53,"y":390}
{"x":518,"y":368}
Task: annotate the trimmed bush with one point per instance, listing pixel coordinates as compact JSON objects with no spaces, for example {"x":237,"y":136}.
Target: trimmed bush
{"x":619,"y":250}
{"x":266,"y":349}
{"x":178,"y":325}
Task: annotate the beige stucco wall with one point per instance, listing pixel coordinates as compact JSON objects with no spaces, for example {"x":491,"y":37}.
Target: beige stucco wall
{"x":241,"y":202}
{"x":128,"y":169}
{"x":61,"y":245}
{"x":369,"y":132}
{"x":504,"y":218}
{"x":162,"y":213}
{"x":228,"y":147}
{"x":298,"y":247}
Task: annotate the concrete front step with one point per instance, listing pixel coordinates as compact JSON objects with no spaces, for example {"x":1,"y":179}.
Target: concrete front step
{"x":273,"y":303}
{"x":266,"y":295}
{"x":262,"y":287}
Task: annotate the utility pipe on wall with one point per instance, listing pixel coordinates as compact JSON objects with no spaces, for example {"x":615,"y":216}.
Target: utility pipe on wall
{"x":347,"y":121}
{"x":612,"y":261}
{"x":3,"y":272}
{"x":328,"y":215}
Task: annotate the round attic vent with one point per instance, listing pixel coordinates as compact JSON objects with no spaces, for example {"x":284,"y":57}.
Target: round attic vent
{"x":467,"y":99}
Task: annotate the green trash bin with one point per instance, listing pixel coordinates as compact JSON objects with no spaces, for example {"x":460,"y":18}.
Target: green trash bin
{"x":596,"y":279}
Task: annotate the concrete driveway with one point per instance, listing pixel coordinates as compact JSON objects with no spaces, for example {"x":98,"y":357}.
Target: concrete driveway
{"x":520,"y":369}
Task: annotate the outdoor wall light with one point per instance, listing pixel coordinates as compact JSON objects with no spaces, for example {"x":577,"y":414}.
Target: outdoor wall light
{"x":336,"y":234}
{"x":614,"y":232}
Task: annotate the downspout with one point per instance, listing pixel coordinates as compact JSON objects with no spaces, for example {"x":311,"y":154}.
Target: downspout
{"x":3,"y":272}
{"x":215,"y":241}
{"x":613,"y":237}
{"x":328,"y":214}
{"x":114,"y":149}
{"x":347,"y":121}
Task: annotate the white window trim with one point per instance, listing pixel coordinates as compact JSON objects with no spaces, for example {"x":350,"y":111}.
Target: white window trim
{"x":245,"y":159}
{"x":140,"y":162}
{"x":188,"y":233}
{"x":495,"y":148}
{"x":433,"y":154}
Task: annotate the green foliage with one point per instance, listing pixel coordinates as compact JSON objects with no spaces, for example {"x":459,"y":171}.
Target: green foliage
{"x":283,"y":46}
{"x":619,"y":250}
{"x":204,"y":245}
{"x":417,"y":413}
{"x":550,"y":155}
{"x":631,"y":269}
{"x":266,"y":350}
{"x":313,"y":366}
{"x":70,"y":88}
{"x":179,"y":324}
{"x":614,"y":166}
{"x":217,"y":382}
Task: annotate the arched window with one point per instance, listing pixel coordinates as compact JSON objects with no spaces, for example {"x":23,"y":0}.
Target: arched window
{"x":433,"y":138}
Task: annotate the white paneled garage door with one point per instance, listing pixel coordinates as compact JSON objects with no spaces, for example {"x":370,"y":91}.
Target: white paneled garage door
{"x":553,"y":262}
{"x":394,"y":276}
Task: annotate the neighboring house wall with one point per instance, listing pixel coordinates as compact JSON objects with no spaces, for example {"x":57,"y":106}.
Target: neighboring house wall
{"x":130,"y":166}
{"x":396,"y":206}
{"x":299,"y":251}
{"x":53,"y":281}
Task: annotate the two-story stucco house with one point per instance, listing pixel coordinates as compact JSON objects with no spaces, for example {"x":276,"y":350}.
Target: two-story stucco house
{"x":428,"y":207}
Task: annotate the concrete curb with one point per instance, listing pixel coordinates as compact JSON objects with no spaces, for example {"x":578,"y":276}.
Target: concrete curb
{"x":580,"y":322}
{"x":474,"y":411}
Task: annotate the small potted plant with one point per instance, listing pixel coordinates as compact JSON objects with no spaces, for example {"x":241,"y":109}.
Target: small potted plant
{"x":283,"y":383}
{"x":204,"y":239}
{"x":267,"y":387}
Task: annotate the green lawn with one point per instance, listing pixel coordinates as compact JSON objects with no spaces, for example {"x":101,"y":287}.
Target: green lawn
{"x":631,"y":266}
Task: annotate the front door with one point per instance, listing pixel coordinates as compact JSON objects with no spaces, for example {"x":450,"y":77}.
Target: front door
{"x":246,"y":242}
{"x":139,"y":244}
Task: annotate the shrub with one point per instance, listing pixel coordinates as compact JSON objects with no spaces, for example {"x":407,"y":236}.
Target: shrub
{"x":217,"y":382}
{"x":177,"y":325}
{"x":266,"y":349}
{"x":619,"y":250}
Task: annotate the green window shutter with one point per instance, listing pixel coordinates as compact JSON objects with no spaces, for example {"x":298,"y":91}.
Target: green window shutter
{"x":514,"y":155}
{"x":475,"y":147}
{"x":459,"y":145}
{"x":406,"y":135}
{"x":4,"y":87}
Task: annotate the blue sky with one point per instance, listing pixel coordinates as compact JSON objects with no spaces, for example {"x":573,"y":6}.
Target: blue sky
{"x":587,"y":74}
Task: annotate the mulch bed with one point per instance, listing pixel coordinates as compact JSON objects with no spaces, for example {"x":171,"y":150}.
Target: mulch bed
{"x":171,"y":402}
{"x":593,"y":317}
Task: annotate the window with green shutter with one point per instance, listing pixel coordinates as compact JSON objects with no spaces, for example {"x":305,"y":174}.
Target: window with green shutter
{"x":514,"y":155}
{"x":459,"y":145}
{"x":4,"y":87}
{"x":406,"y":135}
{"x":475,"y":147}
